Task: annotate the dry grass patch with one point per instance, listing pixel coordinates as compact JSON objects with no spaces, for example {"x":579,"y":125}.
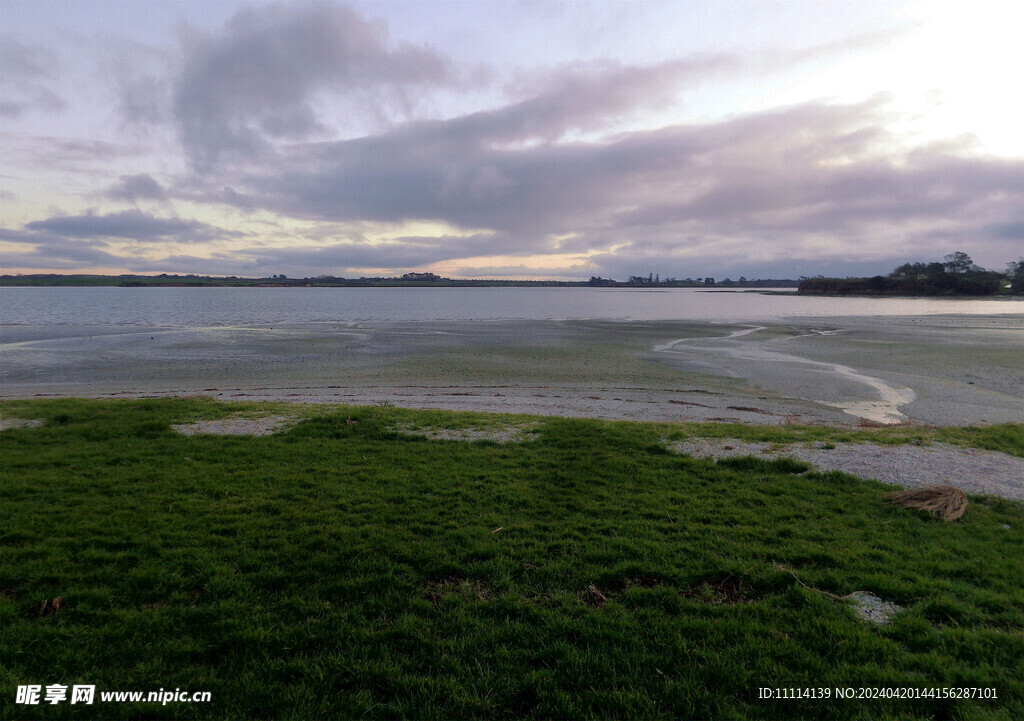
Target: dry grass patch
{"x":945,"y":502}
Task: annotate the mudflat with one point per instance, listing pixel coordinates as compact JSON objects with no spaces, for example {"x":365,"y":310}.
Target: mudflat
{"x":942,"y":370}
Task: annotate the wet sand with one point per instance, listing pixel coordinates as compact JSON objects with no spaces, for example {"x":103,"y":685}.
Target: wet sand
{"x":943,"y":370}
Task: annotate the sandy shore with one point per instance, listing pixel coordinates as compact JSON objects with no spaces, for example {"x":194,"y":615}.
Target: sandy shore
{"x":939,"y":370}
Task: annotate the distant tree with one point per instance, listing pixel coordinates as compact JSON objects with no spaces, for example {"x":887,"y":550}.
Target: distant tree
{"x":1016,"y":272}
{"x":910,"y":270}
{"x":878,"y":284}
{"x":958,"y":262}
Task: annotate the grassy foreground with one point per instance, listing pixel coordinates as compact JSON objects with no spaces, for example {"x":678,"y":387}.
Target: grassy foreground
{"x":341,"y":569}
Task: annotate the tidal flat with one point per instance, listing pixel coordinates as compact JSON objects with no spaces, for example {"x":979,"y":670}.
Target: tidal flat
{"x":937,"y":370}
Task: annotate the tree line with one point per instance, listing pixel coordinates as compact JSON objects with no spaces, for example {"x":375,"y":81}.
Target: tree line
{"x":956,"y":275}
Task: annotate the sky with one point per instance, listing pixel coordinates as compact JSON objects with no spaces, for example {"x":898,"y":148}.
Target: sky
{"x":528,"y":139}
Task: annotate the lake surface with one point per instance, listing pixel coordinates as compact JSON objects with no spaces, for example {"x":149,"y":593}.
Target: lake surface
{"x":232,"y":307}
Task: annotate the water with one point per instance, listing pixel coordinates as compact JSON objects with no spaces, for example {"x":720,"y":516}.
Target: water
{"x":233,"y":307}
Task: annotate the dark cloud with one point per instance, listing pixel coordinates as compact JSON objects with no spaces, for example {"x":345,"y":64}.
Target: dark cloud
{"x":26,"y":73}
{"x":407,"y":253}
{"x":52,"y":249}
{"x":814,"y":180}
{"x":132,"y":188}
{"x":1006,"y":231}
{"x":45,"y":249}
{"x":499,"y":169}
{"x":62,"y":254}
{"x":258,"y":79}
{"x":130,"y":224}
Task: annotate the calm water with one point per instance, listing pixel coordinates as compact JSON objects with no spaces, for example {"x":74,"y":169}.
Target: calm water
{"x":209,"y":307}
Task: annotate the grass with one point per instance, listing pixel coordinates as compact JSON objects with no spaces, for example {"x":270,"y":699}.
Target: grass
{"x":342,"y":570}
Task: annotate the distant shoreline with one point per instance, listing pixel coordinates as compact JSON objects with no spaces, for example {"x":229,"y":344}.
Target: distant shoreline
{"x":419,"y":280}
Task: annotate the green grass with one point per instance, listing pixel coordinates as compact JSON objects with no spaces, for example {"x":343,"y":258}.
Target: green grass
{"x":342,"y":570}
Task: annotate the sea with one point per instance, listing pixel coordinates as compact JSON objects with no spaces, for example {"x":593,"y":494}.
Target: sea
{"x":249,"y":307}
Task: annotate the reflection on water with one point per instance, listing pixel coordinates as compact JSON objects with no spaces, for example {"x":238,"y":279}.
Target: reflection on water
{"x":206,"y":307}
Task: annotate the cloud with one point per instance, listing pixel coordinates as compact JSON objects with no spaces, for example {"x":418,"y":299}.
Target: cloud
{"x":26,"y":73}
{"x":1007,"y":231}
{"x":130,"y":224}
{"x":815,"y":185}
{"x":71,"y":256}
{"x":258,"y":80}
{"x":815,"y":180}
{"x":136,"y":187}
{"x":131,"y":188}
{"x":405,"y":253}
{"x":39,"y":154}
{"x":506,"y":169}
{"x":586,"y":97}
{"x":62,"y":251}
{"x":873,"y":40}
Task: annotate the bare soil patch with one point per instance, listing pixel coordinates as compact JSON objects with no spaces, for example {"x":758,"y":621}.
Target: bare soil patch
{"x":871,"y":608}
{"x":498,"y":434}
{"x":9,"y":423}
{"x":909,"y":466}
{"x":265,"y":426}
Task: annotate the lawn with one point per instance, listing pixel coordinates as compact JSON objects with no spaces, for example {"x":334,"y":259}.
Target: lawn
{"x":348,"y":568}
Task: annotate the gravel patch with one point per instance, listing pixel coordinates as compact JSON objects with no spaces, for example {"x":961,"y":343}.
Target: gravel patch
{"x":265,"y":426}
{"x":909,"y":466}
{"x":871,"y":608}
{"x":501,"y":434}
{"x":8,"y":423}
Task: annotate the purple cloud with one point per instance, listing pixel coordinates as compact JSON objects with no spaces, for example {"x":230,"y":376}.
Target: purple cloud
{"x":26,"y":72}
{"x":130,"y":224}
{"x":258,"y":79}
{"x":132,"y":188}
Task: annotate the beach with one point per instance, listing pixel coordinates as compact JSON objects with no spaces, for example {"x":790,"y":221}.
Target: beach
{"x":936,"y":370}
